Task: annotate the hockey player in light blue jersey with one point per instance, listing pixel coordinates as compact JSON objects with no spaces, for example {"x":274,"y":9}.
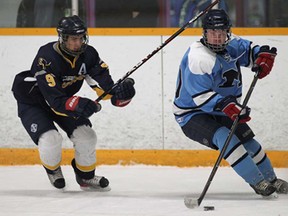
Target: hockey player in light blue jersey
{"x":208,"y":95}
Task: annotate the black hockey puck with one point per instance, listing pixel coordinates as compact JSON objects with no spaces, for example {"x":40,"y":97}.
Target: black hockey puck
{"x":209,"y":208}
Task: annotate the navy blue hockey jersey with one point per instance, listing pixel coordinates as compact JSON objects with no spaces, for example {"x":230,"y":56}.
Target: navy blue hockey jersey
{"x":54,"y":77}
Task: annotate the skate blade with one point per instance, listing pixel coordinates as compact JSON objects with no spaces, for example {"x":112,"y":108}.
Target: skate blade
{"x":272,"y":196}
{"x":94,"y":189}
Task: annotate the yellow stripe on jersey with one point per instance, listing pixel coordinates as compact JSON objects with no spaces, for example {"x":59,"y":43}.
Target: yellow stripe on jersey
{"x":59,"y":113}
{"x":100,"y":91}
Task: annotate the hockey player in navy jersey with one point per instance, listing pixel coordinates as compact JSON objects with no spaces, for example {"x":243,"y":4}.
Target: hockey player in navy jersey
{"x":208,"y":95}
{"x":47,"y":94}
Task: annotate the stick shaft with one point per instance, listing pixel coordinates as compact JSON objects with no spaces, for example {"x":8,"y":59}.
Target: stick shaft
{"x":222,"y":152}
{"x":157,"y":49}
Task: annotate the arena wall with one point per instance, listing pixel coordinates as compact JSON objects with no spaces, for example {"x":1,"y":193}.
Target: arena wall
{"x":145,"y":130}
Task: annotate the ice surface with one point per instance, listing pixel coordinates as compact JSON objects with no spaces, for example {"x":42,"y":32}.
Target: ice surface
{"x":136,"y":191}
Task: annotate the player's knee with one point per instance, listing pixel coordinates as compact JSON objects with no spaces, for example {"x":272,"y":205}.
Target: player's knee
{"x":84,"y":133}
{"x":50,"y":148}
{"x":221,"y":135}
{"x":50,"y":139}
{"x":235,"y":151}
{"x":84,"y":137}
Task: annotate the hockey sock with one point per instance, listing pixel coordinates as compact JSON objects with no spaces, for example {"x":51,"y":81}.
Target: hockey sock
{"x":237,"y":156}
{"x":260,"y":159}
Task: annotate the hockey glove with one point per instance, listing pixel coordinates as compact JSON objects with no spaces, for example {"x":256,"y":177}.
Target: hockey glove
{"x":264,"y":61}
{"x":232,"y":109}
{"x":123,"y":93}
{"x":82,"y":106}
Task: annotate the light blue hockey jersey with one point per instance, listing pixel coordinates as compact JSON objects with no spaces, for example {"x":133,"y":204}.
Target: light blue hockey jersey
{"x":205,"y":77}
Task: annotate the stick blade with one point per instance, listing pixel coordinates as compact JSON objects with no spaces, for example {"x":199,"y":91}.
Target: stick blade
{"x":191,"y":203}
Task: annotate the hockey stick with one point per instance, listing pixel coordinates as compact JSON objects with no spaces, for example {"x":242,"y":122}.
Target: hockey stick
{"x":157,"y":49}
{"x":191,"y":202}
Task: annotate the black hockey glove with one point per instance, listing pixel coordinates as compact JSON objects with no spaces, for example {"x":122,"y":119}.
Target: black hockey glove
{"x":123,"y":93}
{"x":82,"y":106}
{"x":232,"y":109}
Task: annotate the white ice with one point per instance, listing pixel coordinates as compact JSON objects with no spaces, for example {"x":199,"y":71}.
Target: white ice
{"x":137,"y":190}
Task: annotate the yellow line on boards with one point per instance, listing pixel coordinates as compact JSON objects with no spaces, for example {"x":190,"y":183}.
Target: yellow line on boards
{"x":139,"y":31}
{"x":179,"y":158}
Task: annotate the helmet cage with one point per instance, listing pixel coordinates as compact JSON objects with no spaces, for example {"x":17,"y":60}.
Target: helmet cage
{"x":216,"y":19}
{"x":217,"y":47}
{"x":63,"y":39}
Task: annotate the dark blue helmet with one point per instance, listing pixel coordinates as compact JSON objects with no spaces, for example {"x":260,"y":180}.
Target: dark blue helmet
{"x":216,"y":19}
{"x":68,"y":26}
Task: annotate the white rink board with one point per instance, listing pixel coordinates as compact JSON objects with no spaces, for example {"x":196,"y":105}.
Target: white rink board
{"x":148,"y":122}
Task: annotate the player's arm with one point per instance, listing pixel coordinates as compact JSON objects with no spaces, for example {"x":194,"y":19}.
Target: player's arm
{"x":99,"y":78}
{"x":121,"y":95}
{"x":59,"y":102}
{"x":259,"y":58}
{"x":243,"y":50}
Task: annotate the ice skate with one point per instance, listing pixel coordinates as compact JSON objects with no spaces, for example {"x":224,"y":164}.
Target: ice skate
{"x":97,"y":183}
{"x":281,"y":186}
{"x":264,"y":188}
{"x":56,"y":177}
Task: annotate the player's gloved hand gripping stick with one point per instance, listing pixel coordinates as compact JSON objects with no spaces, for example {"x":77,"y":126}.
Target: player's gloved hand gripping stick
{"x":157,"y":49}
{"x":264,"y":61}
